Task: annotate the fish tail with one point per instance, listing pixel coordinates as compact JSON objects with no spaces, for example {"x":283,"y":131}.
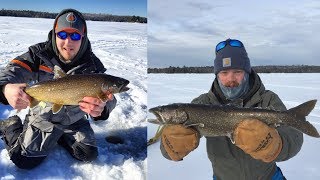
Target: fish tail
{"x":301,"y":123}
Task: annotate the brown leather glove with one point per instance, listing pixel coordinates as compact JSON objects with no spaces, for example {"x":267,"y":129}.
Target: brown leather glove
{"x":258,"y":140}
{"x":178,"y":141}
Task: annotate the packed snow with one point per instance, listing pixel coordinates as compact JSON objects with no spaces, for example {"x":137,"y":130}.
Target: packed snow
{"x":293,"y":89}
{"x":122,"y":47}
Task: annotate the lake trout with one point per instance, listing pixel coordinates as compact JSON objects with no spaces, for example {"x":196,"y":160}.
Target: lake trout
{"x":71,"y":89}
{"x":215,"y":120}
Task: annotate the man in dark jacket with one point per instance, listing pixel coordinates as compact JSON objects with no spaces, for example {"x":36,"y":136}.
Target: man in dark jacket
{"x":256,"y":147}
{"x":69,"y":48}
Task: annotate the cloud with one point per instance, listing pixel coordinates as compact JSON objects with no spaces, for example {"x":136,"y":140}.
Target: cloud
{"x":285,"y":31}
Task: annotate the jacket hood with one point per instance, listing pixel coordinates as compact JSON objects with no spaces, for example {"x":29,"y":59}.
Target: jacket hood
{"x":85,"y":44}
{"x":52,"y":50}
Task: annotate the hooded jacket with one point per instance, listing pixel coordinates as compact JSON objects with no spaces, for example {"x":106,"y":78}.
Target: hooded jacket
{"x":37,"y":64}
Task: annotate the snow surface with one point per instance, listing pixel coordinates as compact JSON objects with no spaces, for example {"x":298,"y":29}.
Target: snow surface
{"x":293,"y":89}
{"x":122,"y":47}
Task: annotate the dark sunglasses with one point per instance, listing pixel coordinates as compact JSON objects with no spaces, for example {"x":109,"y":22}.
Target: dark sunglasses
{"x":231,"y":42}
{"x":73,"y":36}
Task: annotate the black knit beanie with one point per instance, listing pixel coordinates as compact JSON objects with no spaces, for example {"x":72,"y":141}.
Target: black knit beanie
{"x":231,"y":57}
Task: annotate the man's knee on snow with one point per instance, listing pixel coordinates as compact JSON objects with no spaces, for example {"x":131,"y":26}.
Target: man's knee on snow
{"x":10,"y":129}
{"x":24,"y":162}
{"x":84,"y":152}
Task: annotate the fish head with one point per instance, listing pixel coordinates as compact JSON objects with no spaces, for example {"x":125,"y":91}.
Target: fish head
{"x":115,"y":85}
{"x":169,"y":114}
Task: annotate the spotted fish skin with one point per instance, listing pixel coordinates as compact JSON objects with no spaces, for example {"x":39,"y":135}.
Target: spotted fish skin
{"x":215,"y":120}
{"x":71,"y":89}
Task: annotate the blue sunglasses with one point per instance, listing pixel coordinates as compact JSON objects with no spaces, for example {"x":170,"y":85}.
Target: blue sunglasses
{"x":73,"y":36}
{"x":231,"y":42}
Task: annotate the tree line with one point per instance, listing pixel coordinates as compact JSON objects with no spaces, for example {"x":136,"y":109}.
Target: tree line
{"x":87,"y":16}
{"x":258,"y":69}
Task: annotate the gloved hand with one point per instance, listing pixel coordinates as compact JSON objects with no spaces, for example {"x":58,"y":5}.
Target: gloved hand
{"x":178,"y":141}
{"x":258,"y":140}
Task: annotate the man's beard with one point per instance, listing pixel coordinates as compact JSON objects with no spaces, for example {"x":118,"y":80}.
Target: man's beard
{"x":66,"y":61}
{"x":233,"y":90}
{"x":232,"y":84}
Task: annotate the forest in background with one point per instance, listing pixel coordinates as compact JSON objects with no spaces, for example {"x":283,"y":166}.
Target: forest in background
{"x":87,"y":16}
{"x":258,"y":69}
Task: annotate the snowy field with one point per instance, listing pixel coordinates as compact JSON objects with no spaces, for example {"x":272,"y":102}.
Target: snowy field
{"x":293,"y":89}
{"x":122,"y":47}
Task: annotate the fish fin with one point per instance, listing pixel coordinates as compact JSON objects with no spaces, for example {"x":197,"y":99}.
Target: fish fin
{"x":33,"y":103}
{"x":58,"y":72}
{"x":230,"y":136}
{"x":56,"y":108}
{"x":156,"y":136}
{"x":301,"y":123}
{"x":42,"y":104}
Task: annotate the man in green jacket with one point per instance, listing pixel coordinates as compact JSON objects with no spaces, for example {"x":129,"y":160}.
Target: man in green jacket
{"x":256,"y":147}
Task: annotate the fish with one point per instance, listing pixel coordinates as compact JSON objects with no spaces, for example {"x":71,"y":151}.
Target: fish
{"x":71,"y":89}
{"x":219,"y":120}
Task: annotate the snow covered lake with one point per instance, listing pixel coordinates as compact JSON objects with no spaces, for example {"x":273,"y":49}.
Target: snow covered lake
{"x":293,"y":89}
{"x":122,"y":47}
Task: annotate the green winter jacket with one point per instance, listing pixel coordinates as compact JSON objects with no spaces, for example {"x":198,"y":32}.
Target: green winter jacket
{"x":228,"y":161}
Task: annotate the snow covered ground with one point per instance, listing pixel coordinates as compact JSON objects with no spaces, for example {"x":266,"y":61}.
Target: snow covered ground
{"x":293,"y":89}
{"x":122,"y":47}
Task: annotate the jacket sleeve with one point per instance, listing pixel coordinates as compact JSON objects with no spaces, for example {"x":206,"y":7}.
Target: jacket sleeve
{"x":3,"y":99}
{"x":292,"y":139}
{"x":202,"y":99}
{"x":19,"y":70}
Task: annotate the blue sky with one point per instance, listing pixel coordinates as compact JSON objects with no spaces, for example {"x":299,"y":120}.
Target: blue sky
{"x":185,"y":32}
{"x":115,"y":7}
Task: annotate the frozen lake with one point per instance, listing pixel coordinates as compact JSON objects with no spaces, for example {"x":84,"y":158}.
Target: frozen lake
{"x":122,"y":48}
{"x":293,"y":89}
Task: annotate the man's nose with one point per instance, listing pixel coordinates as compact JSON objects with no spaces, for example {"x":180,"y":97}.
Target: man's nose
{"x":231,"y":76}
{"x":68,"y":39}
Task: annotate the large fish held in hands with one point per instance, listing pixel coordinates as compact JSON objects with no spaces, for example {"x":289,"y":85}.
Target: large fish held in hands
{"x":215,"y":120}
{"x":71,"y":89}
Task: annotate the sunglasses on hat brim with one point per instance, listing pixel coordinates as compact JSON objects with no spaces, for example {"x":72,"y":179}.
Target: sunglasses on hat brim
{"x":74,"y":36}
{"x":231,"y":42}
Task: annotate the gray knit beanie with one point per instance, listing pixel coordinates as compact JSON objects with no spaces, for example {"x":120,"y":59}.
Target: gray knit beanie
{"x":231,"y":57}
